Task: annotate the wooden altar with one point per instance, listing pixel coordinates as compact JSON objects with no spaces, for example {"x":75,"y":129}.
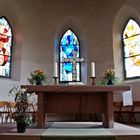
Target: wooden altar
{"x":76,"y":100}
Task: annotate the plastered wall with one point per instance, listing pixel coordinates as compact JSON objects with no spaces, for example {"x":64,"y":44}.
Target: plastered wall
{"x":37,"y":27}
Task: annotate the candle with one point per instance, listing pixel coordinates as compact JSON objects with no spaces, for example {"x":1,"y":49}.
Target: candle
{"x":55,"y":70}
{"x":92,"y":69}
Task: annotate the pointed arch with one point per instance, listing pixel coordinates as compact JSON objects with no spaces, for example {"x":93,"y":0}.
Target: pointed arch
{"x":131,"y":49}
{"x":69,"y":43}
{"x":78,"y":30}
{"x":124,"y":14}
{"x":6,"y":37}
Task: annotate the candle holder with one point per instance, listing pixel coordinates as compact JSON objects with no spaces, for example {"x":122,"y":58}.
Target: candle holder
{"x":92,"y":80}
{"x":55,"y":80}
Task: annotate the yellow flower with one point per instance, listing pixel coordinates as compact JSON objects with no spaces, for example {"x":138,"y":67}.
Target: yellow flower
{"x":109,"y":73}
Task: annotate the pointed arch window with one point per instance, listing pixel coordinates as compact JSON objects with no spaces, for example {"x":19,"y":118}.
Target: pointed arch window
{"x":131,"y":47}
{"x":5,"y":47}
{"x":69,"y":58}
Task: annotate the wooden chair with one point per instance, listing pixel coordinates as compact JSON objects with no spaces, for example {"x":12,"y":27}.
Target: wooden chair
{"x":117,"y":111}
{"x":124,"y":113}
{"x":11,"y":110}
{"x":135,"y":110}
{"x":3,"y":111}
{"x":127,"y":110}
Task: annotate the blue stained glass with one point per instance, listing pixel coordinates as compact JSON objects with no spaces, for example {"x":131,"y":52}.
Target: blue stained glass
{"x":68,"y":43}
{"x":68,"y":67}
{"x":68,"y":50}
{"x":69,"y":39}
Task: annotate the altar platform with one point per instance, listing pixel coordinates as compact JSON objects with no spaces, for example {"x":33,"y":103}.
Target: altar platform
{"x":71,"y":131}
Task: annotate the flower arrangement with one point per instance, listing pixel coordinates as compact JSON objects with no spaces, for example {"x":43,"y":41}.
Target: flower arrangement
{"x":21,"y":114}
{"x":109,"y":73}
{"x":37,"y":77}
{"x":109,"y":78}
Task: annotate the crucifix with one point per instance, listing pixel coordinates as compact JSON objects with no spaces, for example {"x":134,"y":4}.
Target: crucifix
{"x":73,"y":60}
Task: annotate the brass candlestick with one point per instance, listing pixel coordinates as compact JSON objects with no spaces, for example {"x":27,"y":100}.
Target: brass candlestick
{"x":92,"y":80}
{"x":55,"y":80}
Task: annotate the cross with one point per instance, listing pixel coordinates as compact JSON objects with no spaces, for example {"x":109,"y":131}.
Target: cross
{"x":73,"y":60}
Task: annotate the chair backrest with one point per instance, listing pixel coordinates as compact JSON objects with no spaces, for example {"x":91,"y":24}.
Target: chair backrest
{"x":3,"y":111}
{"x":136,"y":106}
{"x":3,"y":106}
{"x":3,"y":103}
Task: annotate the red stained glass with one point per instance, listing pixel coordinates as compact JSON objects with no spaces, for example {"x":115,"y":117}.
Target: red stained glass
{"x":5,"y":47}
{"x":2,"y":39}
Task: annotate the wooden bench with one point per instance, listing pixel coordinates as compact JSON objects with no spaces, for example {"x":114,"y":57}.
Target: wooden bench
{"x":117,"y":111}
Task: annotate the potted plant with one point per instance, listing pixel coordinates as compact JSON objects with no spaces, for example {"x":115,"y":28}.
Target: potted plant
{"x":21,"y":115}
{"x":37,"y":77}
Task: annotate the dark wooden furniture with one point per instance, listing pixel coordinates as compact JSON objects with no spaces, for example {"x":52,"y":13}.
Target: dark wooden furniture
{"x":126,"y":114}
{"x":76,"y":100}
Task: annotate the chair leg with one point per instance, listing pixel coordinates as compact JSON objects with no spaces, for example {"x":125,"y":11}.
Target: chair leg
{"x":1,"y":119}
{"x":121,"y":118}
{"x":133,"y":117}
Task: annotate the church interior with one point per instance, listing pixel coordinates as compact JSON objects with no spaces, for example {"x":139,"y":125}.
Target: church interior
{"x":78,"y":46}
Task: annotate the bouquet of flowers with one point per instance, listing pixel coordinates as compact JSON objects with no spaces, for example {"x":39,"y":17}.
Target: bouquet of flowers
{"x":37,"y":77}
{"x":109,"y":78}
{"x":109,"y":74}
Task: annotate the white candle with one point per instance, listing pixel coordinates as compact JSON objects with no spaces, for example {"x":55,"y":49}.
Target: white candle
{"x":92,"y":69}
{"x":55,"y":70}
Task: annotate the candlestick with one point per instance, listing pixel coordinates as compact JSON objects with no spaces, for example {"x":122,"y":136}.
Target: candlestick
{"x":92,"y":80}
{"x":55,"y":80}
{"x":92,"y":69}
{"x":55,"y":70}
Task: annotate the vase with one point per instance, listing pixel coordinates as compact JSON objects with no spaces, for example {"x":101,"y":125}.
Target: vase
{"x":110,"y":82}
{"x":38,"y":82}
{"x":21,"y":126}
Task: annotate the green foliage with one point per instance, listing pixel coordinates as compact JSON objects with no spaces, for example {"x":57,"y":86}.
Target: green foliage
{"x":109,"y":74}
{"x":115,"y":81}
{"x":22,"y":105}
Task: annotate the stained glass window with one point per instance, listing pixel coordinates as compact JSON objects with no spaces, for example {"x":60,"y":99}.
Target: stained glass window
{"x":131,"y":41}
{"x":69,"y":57}
{"x":5,"y":48}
